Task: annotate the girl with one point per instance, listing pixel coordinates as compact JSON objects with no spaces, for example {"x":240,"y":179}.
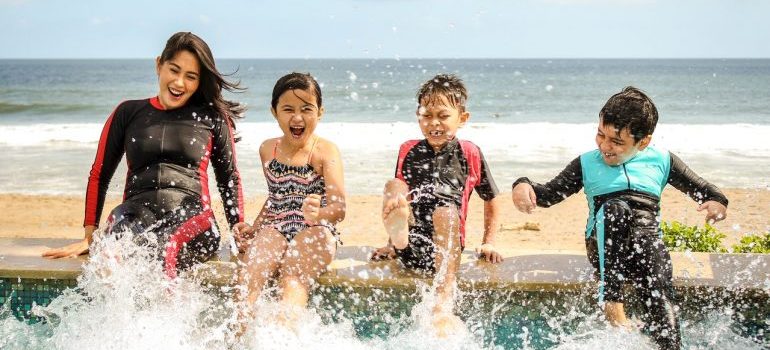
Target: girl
{"x":294,"y":234}
{"x":169,"y":140}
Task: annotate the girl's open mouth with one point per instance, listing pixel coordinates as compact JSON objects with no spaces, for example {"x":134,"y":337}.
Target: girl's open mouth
{"x":297,"y":131}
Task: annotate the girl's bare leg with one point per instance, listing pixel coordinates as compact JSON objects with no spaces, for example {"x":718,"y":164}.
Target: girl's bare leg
{"x":306,"y":258}
{"x":259,"y":263}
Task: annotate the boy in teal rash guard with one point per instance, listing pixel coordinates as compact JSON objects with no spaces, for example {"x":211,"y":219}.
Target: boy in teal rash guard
{"x":623,"y":181}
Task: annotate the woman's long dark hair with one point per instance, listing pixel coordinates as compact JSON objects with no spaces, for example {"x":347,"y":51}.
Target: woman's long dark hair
{"x":211,"y":80}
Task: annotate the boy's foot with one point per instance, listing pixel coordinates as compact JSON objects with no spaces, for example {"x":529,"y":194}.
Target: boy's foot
{"x":397,"y":223}
{"x":447,"y":324}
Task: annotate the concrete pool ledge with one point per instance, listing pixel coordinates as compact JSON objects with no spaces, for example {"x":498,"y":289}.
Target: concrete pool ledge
{"x":521,"y":269}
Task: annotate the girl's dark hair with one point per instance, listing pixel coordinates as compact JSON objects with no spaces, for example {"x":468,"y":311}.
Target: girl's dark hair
{"x":291,"y":81}
{"x":632,"y":109}
{"x":211,"y":80}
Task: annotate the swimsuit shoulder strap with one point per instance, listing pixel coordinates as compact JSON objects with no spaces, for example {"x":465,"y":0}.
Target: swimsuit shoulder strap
{"x":312,"y":148}
{"x":275,"y":147}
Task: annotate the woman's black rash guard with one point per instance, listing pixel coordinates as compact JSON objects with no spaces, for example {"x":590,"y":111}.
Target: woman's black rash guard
{"x":168,"y":153}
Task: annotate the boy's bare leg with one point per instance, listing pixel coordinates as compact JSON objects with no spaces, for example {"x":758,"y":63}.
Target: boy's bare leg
{"x":260,"y":262}
{"x":615,"y":314}
{"x":446,"y":223}
{"x":306,"y":258}
{"x":395,"y":212}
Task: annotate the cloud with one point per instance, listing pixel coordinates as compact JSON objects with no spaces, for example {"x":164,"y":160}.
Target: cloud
{"x":97,"y":21}
{"x":13,"y":2}
{"x":599,"y":2}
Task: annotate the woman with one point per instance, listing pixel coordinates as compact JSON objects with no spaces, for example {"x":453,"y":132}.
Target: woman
{"x":169,"y":141}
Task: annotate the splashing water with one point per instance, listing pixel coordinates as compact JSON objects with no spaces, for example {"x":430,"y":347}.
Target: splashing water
{"x":124,"y":301}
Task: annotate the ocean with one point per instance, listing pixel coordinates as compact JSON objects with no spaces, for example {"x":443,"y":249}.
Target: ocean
{"x":530,"y":117}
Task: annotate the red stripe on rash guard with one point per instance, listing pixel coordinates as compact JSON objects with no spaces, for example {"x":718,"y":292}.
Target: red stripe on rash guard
{"x":92,"y":191}
{"x":186,"y":232}
{"x":203,"y":176}
{"x":473,"y":157}
{"x":155,"y":102}
{"x":402,"y":152}
{"x":235,"y":167}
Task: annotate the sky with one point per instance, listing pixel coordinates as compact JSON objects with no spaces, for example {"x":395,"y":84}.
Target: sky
{"x":390,"y":28}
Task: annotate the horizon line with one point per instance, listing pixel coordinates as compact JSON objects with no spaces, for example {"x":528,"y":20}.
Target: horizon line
{"x":401,"y":58}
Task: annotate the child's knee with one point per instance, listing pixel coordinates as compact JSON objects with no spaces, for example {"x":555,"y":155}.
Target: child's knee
{"x":395,"y":186}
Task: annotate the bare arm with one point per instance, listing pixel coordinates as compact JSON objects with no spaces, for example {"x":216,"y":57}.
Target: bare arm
{"x":331,"y":170}
{"x":487,"y":250}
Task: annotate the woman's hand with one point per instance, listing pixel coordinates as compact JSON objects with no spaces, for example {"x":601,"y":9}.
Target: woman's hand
{"x":74,"y":249}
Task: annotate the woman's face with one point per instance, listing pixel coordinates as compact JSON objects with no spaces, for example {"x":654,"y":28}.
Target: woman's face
{"x":178,"y":78}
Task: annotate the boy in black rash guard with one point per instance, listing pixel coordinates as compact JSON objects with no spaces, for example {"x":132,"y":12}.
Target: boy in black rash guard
{"x":623,"y":180}
{"x":434,"y":178}
{"x":169,"y":141}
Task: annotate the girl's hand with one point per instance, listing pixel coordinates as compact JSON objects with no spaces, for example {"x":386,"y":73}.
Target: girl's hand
{"x":243,"y":232}
{"x":311,"y":208}
{"x":524,"y":198}
{"x":715,"y":211}
{"x":488,"y":252}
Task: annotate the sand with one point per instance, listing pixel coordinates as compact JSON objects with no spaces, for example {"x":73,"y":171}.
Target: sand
{"x":560,"y":227}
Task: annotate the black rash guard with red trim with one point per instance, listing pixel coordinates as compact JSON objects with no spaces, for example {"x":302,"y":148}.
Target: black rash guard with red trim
{"x":439,"y":179}
{"x":167,"y":152}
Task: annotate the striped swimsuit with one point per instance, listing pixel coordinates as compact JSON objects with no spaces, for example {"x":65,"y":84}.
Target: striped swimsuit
{"x":288,"y":185}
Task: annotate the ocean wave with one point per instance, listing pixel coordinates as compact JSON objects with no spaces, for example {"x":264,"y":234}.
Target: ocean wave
{"x":524,"y":140}
{"x":43,"y":108}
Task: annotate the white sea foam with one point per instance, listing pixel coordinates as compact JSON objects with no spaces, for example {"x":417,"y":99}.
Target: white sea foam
{"x":527,"y":138}
{"x":55,"y":158}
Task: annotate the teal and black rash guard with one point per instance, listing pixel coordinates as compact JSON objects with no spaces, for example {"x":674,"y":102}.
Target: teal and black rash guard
{"x":640,"y":179}
{"x":623,"y":237}
{"x":168,"y":153}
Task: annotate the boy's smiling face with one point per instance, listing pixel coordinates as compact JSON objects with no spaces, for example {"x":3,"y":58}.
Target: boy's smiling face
{"x":618,"y":146}
{"x":439,"y":120}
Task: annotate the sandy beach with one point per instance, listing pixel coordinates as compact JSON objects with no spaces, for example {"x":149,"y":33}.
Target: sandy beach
{"x":560,"y":227}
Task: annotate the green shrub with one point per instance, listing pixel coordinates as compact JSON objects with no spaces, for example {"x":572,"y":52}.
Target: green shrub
{"x":680,"y":237}
{"x":753,"y":244}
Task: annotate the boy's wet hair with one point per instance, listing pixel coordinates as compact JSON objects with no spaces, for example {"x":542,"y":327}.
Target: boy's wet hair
{"x":632,"y":109}
{"x":300,"y":81}
{"x":447,"y":85}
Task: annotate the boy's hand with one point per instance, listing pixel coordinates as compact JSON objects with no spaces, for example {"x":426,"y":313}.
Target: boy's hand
{"x":715,"y":211}
{"x":524,"y":198}
{"x":487,"y":252}
{"x":384,"y":253}
{"x":311,"y":207}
